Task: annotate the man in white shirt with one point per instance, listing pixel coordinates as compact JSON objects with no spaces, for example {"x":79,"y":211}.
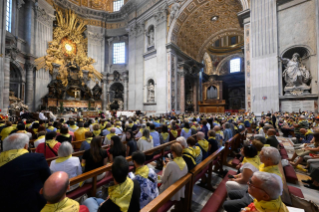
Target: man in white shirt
{"x":42,"y":116}
{"x":40,"y":139}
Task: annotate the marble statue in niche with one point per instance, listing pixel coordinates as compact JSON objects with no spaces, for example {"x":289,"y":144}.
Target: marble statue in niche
{"x":150,"y":91}
{"x":150,"y":37}
{"x":296,"y":76}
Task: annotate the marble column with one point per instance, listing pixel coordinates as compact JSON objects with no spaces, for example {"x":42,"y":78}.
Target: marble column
{"x":30,"y":87}
{"x":6,"y":87}
{"x":28,"y":25}
{"x":264,"y":52}
{"x":104,"y":103}
{"x":125,"y":77}
{"x":181,"y":95}
{"x":3,"y":7}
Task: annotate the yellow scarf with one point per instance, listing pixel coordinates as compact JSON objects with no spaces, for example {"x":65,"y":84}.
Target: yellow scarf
{"x":193,"y":127}
{"x":121,"y":194}
{"x":109,"y":136}
{"x":270,"y":206}
{"x":74,"y":127}
{"x":51,"y":143}
{"x":131,"y":125}
{"x":190,"y":151}
{"x":89,"y":139}
{"x":186,"y":130}
{"x":39,"y":138}
{"x":102,"y":126}
{"x":62,"y":159}
{"x":51,"y":128}
{"x":7,"y":156}
{"x":96,"y":132}
{"x":204,"y":144}
{"x":109,"y":129}
{"x":21,"y":131}
{"x":27,"y":125}
{"x":309,"y":132}
{"x":58,"y":131}
{"x":255,"y":161}
{"x":165,"y":135}
{"x":270,"y":169}
{"x":180,"y":162}
{"x":144,"y":138}
{"x":141,"y":130}
{"x":66,"y":135}
{"x":35,"y":130}
{"x":65,"y":205}
{"x":174,"y":133}
{"x":214,"y":138}
{"x":142,"y":171}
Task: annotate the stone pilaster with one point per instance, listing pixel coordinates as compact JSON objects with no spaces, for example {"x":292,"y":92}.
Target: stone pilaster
{"x":30,"y":85}
{"x":104,"y":102}
{"x":6,"y":87}
{"x":28,"y":25}
{"x":181,"y":88}
{"x":126,"y":80}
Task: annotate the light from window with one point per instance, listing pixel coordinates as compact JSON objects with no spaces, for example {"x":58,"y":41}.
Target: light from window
{"x":117,"y":4}
{"x":119,"y":53}
{"x":235,"y":65}
{"x":8,"y":15}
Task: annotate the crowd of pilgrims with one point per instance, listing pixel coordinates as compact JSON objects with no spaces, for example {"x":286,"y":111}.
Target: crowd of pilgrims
{"x":28,"y":183}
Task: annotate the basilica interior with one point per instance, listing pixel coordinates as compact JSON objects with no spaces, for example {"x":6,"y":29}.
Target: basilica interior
{"x":234,"y":75}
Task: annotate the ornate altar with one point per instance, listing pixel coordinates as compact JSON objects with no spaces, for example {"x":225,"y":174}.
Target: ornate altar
{"x":69,"y":66}
{"x":212,"y":97}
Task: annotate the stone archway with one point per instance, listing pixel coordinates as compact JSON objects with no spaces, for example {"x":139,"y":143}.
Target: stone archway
{"x":16,"y":83}
{"x":117,"y":95}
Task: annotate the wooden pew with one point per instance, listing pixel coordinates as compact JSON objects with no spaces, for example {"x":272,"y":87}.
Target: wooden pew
{"x":164,"y":197}
{"x":94,"y":173}
{"x":229,"y":148}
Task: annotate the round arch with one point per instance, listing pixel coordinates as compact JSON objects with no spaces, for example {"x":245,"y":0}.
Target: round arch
{"x":16,"y":80}
{"x":226,"y":59}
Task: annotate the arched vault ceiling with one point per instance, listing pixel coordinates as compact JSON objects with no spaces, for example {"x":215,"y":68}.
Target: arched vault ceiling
{"x":194,"y":25}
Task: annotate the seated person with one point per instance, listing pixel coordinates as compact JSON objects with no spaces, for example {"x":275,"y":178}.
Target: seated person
{"x":271,"y":138}
{"x":146,"y":143}
{"x":72,"y":126}
{"x":21,"y":129}
{"x":117,"y":148}
{"x":186,"y":132}
{"x":174,"y":170}
{"x":50,"y":147}
{"x":123,"y":196}
{"x":64,"y":135}
{"x":107,"y":140}
{"x":96,"y":130}
{"x":146,"y":177}
{"x":194,"y":150}
{"x":87,"y":143}
{"x":266,"y":188}
{"x":67,"y":163}
{"x":22,"y":175}
{"x":203,"y":144}
{"x":306,"y":136}
{"x":155,"y":135}
{"x":212,"y":140}
{"x":79,"y":134}
{"x":51,"y":128}
{"x":6,"y":130}
{"x":306,"y":150}
{"x":250,"y":165}
{"x":131,"y":145}
{"x":40,"y":139}
{"x":94,"y":157}
{"x":164,"y":136}
{"x":54,"y":191}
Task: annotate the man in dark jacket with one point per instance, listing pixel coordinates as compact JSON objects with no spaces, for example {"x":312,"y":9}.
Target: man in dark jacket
{"x":22,"y":175}
{"x":271,"y":139}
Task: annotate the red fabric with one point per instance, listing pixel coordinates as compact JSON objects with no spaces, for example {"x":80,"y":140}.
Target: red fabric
{"x":295,"y":191}
{"x":79,"y":191}
{"x":49,"y":153}
{"x":290,"y":174}
{"x":200,"y":175}
{"x":219,"y":196}
{"x":72,"y":134}
{"x":235,"y":162}
{"x":83,"y":208}
{"x":166,"y":206}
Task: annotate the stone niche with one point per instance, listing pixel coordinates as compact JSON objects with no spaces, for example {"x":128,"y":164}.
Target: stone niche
{"x":298,"y":80}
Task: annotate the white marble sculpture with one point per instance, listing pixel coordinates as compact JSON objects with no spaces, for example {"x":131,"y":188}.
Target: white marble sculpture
{"x":174,"y":11}
{"x":296,"y":76}
{"x":151,"y":38}
{"x":150,"y":92}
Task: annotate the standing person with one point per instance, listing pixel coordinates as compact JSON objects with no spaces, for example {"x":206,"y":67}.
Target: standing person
{"x":22,"y":175}
{"x":228,"y":134}
{"x":94,"y":158}
{"x":204,"y":129}
{"x":117,"y":148}
{"x":131,"y":145}
{"x":50,"y":147}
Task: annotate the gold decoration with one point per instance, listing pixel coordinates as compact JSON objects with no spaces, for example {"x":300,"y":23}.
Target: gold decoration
{"x":68,"y":47}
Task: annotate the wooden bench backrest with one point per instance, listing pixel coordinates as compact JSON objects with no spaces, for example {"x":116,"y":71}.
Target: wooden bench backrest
{"x":229,"y":147}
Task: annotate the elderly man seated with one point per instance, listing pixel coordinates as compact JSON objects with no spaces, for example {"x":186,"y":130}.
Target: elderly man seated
{"x":54,"y":191}
{"x":22,"y":175}
{"x":271,"y":138}
{"x":270,"y":158}
{"x":67,"y":163}
{"x":266,"y":188}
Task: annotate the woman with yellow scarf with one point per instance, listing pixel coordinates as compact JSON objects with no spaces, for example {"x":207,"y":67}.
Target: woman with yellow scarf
{"x":250,"y":165}
{"x":186,"y":131}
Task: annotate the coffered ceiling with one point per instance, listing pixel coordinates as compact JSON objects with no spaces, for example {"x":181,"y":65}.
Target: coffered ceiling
{"x":194,"y":27}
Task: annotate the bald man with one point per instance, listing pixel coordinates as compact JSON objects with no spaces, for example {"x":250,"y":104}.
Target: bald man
{"x":54,"y":191}
{"x":271,"y":139}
